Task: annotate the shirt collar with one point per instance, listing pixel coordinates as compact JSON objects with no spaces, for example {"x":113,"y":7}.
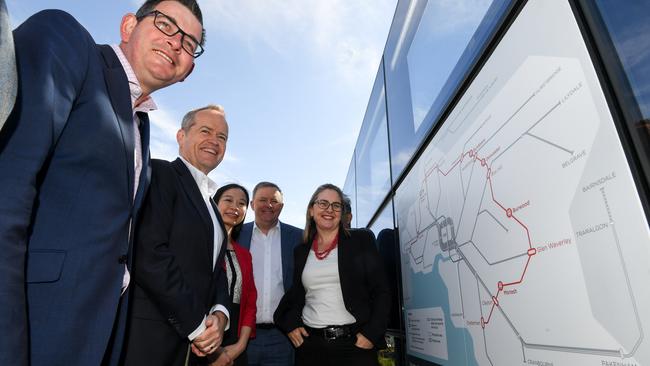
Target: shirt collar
{"x":148,"y":104}
{"x":206,"y":185}
{"x":277,"y":226}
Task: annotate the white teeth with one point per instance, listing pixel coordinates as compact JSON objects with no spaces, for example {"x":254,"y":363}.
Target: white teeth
{"x":164,"y":56}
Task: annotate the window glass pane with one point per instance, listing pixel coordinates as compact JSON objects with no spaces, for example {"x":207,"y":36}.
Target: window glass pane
{"x":384,"y":220}
{"x":629,"y":28}
{"x":349,"y":188}
{"x":388,"y":247}
{"x":431,"y":47}
{"x":444,"y":26}
{"x":373,"y":164}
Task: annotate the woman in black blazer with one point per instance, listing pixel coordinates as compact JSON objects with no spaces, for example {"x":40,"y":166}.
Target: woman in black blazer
{"x":336,"y":310}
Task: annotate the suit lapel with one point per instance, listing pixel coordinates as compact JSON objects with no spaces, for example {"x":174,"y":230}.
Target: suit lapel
{"x":224,"y":242}
{"x":194,"y":195}
{"x":117,"y":85}
{"x":246,"y":235}
{"x":301,"y":257}
{"x":344,"y":248}
{"x":287,"y":252}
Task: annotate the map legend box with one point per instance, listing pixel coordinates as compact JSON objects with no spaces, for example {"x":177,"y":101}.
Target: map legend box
{"x":426,"y":332}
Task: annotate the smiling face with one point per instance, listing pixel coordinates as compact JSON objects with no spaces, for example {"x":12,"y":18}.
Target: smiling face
{"x":203,"y":144}
{"x":326,"y":219}
{"x":232,"y":206}
{"x":267,"y":204}
{"x":158,"y":60}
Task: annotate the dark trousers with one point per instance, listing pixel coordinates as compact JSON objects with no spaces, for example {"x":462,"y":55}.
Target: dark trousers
{"x":316,"y":351}
{"x":270,"y":347}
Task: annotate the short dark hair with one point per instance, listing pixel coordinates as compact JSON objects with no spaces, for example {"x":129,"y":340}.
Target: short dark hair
{"x":347,"y":204}
{"x":265,"y":185}
{"x":192,"y":5}
{"x":234,"y":234}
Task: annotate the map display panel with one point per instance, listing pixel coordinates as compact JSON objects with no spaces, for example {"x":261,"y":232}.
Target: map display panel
{"x":523,"y":240}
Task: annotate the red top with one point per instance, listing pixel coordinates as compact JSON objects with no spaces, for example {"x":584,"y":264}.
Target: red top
{"x":248,"y":301}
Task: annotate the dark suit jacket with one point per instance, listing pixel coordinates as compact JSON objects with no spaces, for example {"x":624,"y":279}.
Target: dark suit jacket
{"x":175,"y":283}
{"x":290,"y":237}
{"x":363,"y":283}
{"x":66,"y":157}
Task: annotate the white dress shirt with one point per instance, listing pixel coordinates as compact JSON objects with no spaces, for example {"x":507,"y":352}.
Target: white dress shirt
{"x":266,"y":251}
{"x":147,"y":105}
{"x":208,"y":188}
{"x":324,"y":303}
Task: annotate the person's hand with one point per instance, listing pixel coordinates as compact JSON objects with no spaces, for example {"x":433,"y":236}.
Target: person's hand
{"x":363,"y":342}
{"x":225,"y":358}
{"x":234,"y":350}
{"x":296,"y":336}
{"x":210,"y":340}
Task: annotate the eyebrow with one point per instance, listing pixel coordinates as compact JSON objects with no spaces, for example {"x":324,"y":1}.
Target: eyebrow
{"x":167,"y":15}
{"x":179,"y":27}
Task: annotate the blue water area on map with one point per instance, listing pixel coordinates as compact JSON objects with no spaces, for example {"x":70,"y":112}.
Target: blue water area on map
{"x":429,"y":290}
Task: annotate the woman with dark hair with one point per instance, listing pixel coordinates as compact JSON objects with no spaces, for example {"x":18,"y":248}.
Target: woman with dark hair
{"x":337,"y":308}
{"x":232,"y":201}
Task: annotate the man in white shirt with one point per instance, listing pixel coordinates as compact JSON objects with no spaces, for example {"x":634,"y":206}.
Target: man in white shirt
{"x":180,"y":289}
{"x":271,"y":244}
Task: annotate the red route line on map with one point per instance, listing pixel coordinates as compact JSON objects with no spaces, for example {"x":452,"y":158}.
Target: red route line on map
{"x":508,"y":211}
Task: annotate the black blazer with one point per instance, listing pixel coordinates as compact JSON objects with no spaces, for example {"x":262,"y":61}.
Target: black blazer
{"x":175,"y":284}
{"x":363,"y":282}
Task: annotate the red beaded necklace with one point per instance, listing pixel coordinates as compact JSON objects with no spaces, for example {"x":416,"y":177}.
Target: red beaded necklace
{"x":323,"y":254}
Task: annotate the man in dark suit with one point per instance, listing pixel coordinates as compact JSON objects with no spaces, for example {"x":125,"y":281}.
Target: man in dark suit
{"x":180,"y":285}
{"x":271,"y":244}
{"x":74,"y":158}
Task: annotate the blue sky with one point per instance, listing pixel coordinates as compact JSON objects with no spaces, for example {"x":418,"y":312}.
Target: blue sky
{"x":294,"y":77}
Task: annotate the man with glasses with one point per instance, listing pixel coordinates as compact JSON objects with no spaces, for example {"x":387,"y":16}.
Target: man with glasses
{"x":75,"y":160}
{"x":271,"y":243}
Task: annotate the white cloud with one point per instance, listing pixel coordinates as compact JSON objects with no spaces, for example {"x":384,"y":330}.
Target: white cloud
{"x":630,"y":43}
{"x":348,"y":34}
{"x":164,"y":124}
{"x":447,"y":16}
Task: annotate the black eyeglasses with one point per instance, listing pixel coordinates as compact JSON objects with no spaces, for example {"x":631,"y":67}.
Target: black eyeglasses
{"x":169,"y":27}
{"x":325,"y":204}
